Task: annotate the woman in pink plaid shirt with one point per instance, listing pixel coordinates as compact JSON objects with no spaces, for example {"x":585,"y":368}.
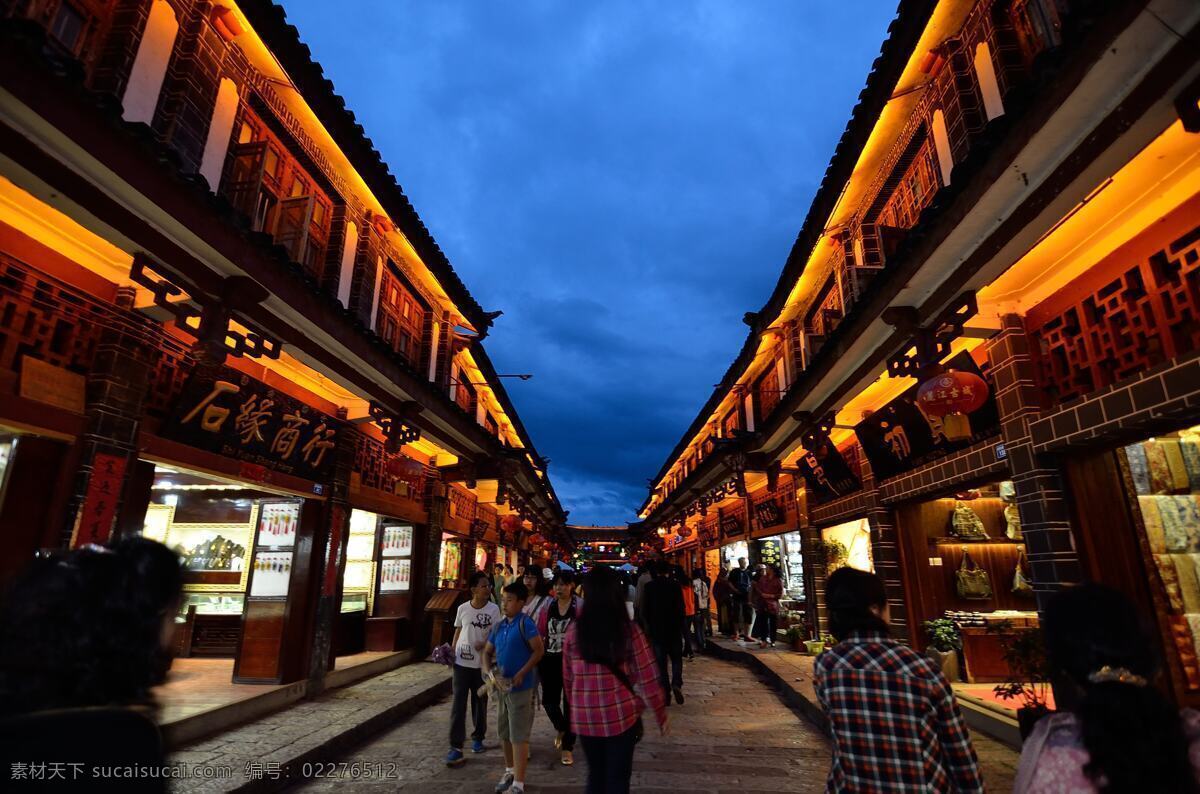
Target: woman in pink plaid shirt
{"x":611,"y":678}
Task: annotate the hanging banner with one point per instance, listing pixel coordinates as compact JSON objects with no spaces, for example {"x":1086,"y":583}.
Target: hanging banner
{"x":826,"y":473}
{"x":900,"y":437}
{"x":768,"y":513}
{"x":233,"y":414}
{"x":100,"y":505}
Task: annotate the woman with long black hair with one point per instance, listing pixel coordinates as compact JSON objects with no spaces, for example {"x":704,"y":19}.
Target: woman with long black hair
{"x":1115,"y":731}
{"x":610,"y":678}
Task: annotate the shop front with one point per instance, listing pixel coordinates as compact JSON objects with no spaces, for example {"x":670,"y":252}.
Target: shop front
{"x":964,"y":560}
{"x":226,"y":533}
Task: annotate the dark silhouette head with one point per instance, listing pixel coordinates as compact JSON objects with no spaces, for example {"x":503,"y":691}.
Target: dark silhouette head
{"x":857,"y":602}
{"x":89,"y":627}
{"x":1102,"y":654}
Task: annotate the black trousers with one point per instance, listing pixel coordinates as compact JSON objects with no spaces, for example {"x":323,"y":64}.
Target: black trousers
{"x":467,"y":681}
{"x":610,"y":762}
{"x":554,"y":697}
{"x":672,"y":649}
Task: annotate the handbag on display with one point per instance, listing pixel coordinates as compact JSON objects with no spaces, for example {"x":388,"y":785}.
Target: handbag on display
{"x":1012,"y":517}
{"x":966,"y":523}
{"x":1021,"y":584}
{"x":972,"y":583}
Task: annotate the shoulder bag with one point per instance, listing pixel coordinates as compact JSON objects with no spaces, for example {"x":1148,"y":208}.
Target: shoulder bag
{"x":1021,"y":583}
{"x":972,"y":583}
{"x":966,"y":523}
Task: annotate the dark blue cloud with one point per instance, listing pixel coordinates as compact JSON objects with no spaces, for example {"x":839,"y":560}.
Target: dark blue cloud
{"x":623,"y":179}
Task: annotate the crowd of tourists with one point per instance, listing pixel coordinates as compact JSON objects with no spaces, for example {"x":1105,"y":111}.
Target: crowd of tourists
{"x":85,"y":636}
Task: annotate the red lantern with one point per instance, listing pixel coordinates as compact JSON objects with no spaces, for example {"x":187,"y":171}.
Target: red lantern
{"x":949,"y":397}
{"x":953,"y":392}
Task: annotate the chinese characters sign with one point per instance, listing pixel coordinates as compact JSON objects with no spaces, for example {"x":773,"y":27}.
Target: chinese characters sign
{"x":825,"y":471}
{"x":243,"y":418}
{"x":100,"y":505}
{"x":900,"y":437}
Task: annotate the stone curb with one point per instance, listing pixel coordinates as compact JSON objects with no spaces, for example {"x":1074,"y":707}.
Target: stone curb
{"x":795,"y":700}
{"x":332,"y":745}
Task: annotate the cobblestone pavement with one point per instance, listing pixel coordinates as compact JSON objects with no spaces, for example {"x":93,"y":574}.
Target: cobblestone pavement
{"x":795,"y":671}
{"x":732,"y":734}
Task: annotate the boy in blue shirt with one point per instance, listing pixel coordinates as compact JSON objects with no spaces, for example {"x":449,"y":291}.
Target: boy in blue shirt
{"x":513,"y":650}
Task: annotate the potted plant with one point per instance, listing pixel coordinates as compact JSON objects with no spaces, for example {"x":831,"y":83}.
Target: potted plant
{"x":795,"y":637}
{"x":1028,"y":682}
{"x":943,"y":642}
{"x":832,"y":554}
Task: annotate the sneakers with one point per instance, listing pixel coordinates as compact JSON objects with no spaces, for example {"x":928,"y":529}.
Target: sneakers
{"x":568,"y":758}
{"x":678,"y":695}
{"x":505,"y":784}
{"x":455,"y":757}
{"x":477,"y":746}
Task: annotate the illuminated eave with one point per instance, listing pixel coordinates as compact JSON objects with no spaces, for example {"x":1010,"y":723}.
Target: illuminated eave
{"x":262,"y":59}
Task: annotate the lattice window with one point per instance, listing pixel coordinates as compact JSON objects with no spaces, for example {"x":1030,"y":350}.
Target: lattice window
{"x":914,"y":190}
{"x":279,"y":196}
{"x":377,"y":469}
{"x":1147,"y":314}
{"x":47,"y":319}
{"x":401,"y":318}
{"x":462,"y":504}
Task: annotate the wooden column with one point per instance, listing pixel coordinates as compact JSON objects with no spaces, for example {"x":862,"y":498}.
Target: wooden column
{"x":330,"y":558}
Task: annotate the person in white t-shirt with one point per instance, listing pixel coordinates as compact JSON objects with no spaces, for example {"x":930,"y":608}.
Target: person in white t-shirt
{"x":472,"y":624}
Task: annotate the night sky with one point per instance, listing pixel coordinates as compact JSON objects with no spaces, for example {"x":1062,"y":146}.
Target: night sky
{"x":623,"y":179}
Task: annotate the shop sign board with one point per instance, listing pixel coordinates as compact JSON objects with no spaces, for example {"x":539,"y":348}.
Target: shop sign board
{"x":826,"y":473}
{"x":235,"y":415}
{"x":731,"y":524}
{"x":768,"y":513}
{"x":900,"y":437}
{"x":52,"y":385}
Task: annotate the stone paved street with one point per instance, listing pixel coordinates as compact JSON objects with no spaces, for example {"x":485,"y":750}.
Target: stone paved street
{"x":732,"y":734}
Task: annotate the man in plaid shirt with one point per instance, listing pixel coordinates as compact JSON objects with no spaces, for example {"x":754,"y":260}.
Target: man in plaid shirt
{"x":892,"y":714}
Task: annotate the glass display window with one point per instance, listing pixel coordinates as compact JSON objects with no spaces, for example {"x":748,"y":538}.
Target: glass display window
{"x":354,"y":602}
{"x":731,"y":553}
{"x":849,"y":544}
{"x":230,"y":603}
{"x":1165,"y":473}
{"x":450,"y":562}
{"x":793,"y":566}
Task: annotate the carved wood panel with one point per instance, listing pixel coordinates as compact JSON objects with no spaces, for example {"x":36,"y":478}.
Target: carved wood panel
{"x":1125,"y":322}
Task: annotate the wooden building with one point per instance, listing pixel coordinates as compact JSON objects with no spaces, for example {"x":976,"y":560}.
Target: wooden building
{"x":223,"y":325}
{"x":1014,"y":207}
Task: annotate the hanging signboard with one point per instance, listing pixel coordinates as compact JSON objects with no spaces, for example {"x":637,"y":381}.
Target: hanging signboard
{"x":900,"y":436}
{"x":826,"y":473}
{"x":235,"y":415}
{"x":730,"y":526}
{"x":768,"y":513}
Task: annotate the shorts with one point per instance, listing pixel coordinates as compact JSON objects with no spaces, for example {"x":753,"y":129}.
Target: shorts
{"x":515,"y":720}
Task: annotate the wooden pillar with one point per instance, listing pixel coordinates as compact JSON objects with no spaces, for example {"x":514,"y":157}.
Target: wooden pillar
{"x":1045,"y":523}
{"x":331,"y":561}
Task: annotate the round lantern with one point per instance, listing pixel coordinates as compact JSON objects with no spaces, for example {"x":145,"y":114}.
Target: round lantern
{"x":950,"y":397}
